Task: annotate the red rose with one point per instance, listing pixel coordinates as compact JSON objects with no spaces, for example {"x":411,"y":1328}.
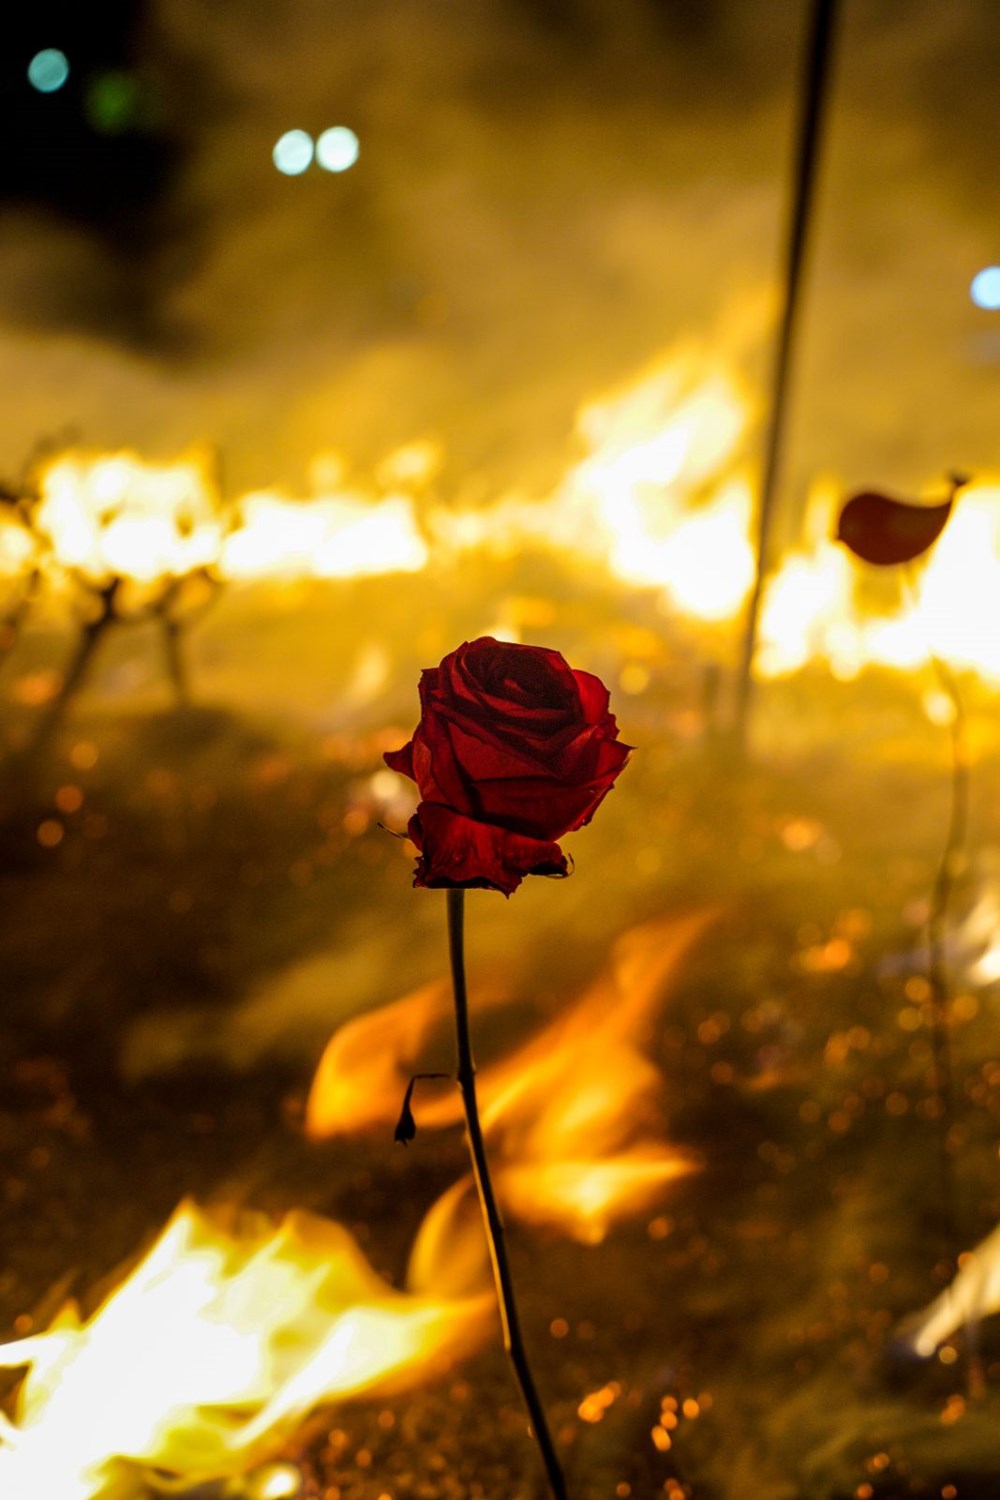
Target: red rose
{"x":514,"y":748}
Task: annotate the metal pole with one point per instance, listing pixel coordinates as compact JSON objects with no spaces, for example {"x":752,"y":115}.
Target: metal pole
{"x":815,"y":78}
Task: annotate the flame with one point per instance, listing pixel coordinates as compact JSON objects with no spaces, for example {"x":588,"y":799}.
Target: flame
{"x":205,"y":1358}
{"x":18,"y":548}
{"x":945,"y":609}
{"x":117,"y":516}
{"x":345,"y":536}
{"x":660,"y":495}
{"x":652,"y":449}
{"x":980,"y":937}
{"x":659,"y":498}
{"x":366,"y":1065}
{"x":564,"y":1110}
{"x":585,"y":1197}
{"x":974,"y":1294}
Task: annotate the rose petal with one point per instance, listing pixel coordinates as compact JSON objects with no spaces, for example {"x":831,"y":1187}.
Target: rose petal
{"x":543,"y":808}
{"x":426,"y":687}
{"x":592,"y":752}
{"x":594,"y":697}
{"x":491,"y":783}
{"x":485,"y":757}
{"x":535,"y":739}
{"x":460,"y":851}
{"x":401,"y":760}
{"x":437,"y":769}
{"x":500,"y":674}
{"x":884,"y":531}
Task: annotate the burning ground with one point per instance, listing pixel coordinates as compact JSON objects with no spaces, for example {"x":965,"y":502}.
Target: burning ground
{"x":197,"y":901}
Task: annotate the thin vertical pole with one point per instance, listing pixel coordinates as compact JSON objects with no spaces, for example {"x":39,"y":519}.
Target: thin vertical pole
{"x":815,"y":79}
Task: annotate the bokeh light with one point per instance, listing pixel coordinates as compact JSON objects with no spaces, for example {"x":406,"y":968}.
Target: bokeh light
{"x":985,"y":288}
{"x":293,"y":152}
{"x":112,"y":102}
{"x":337,"y":149}
{"x":48,"y":70}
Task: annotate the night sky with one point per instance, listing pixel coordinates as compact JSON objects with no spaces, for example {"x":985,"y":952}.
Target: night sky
{"x":549,"y":194}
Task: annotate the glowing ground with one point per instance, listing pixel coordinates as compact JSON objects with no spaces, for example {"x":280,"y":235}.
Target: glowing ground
{"x":220,"y":897}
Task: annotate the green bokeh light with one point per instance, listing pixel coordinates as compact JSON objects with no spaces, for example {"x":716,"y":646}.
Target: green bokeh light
{"x":112,"y":102}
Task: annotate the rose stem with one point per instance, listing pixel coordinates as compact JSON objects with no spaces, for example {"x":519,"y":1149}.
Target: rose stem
{"x":513,"y":1342}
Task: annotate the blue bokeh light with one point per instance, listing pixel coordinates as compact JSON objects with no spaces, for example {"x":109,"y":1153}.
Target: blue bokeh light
{"x":48,"y":70}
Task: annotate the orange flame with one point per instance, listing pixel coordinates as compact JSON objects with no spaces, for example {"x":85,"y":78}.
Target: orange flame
{"x":565,"y":1110}
{"x":366,"y":1065}
{"x":214,"y":1348}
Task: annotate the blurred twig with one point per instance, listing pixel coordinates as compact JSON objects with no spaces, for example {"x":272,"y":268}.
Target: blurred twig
{"x":75,"y":674}
{"x":938,"y":914}
{"x":950,"y":864}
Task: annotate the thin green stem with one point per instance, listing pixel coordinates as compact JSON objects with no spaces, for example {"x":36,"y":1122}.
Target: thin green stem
{"x":509,"y":1322}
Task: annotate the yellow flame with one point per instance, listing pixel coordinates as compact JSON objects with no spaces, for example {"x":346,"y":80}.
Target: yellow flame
{"x":661,"y":496}
{"x":209,"y":1353}
{"x":974,"y":1294}
{"x":330,"y":537}
{"x":119,"y":516}
{"x":566,"y":1110}
{"x":811,"y":611}
{"x":652,"y":449}
{"x":18,"y":548}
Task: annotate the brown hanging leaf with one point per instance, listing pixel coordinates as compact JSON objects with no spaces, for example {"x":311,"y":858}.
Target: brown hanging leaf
{"x":884,"y":531}
{"x":406,"y":1125}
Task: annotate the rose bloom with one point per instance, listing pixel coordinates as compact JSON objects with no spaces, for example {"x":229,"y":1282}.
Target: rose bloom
{"x":514,"y":748}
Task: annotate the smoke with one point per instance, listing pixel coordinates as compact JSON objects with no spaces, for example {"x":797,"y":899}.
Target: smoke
{"x":548,"y":195}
